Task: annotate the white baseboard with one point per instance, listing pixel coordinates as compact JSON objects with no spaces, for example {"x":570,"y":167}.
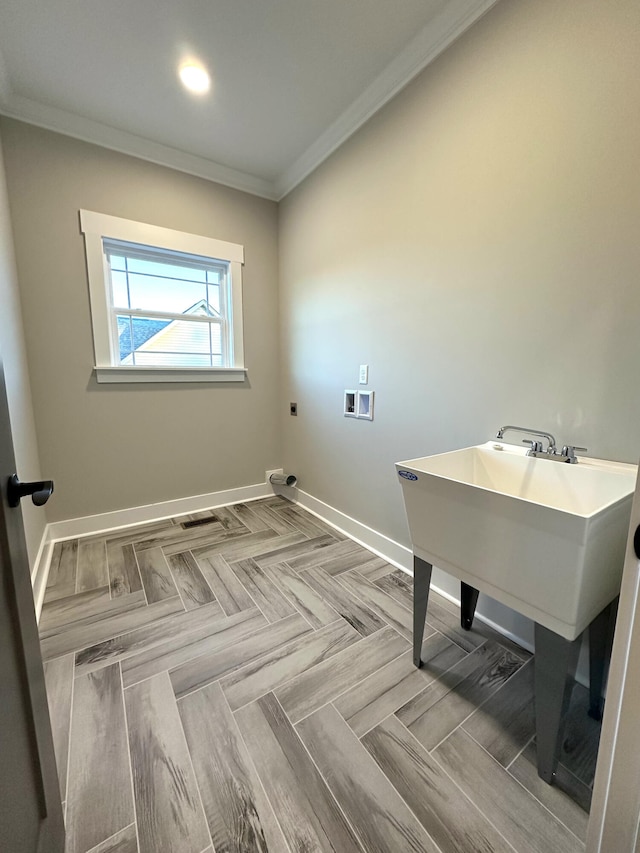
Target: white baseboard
{"x":390,"y":550}
{"x":103,"y":522}
{"x":40,"y":571}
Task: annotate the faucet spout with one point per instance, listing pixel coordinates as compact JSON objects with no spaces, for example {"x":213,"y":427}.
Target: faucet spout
{"x":551,"y":440}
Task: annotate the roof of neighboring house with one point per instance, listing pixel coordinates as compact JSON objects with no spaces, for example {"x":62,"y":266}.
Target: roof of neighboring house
{"x":143,"y":329}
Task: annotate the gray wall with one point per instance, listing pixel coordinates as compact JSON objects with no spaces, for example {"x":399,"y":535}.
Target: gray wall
{"x":14,"y":358}
{"x":111,"y":447}
{"x":477,"y":243}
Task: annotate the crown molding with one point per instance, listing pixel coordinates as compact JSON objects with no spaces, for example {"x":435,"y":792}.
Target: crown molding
{"x":87,"y":130}
{"x":453,"y":20}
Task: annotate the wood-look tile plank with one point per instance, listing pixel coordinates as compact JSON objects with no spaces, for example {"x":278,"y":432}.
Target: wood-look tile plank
{"x":374,"y":568}
{"x":283,"y":554}
{"x":251,"y":521}
{"x":381,"y":819}
{"x":334,"y":551}
{"x":239,"y":815}
{"x":233,"y":597}
{"x":236,"y":546}
{"x":122,"y":842}
{"x":58,"y":675}
{"x":228,"y":520}
{"x":568,"y":798}
{"x":506,"y":722}
{"x":359,"y":559}
{"x":351,"y":608}
{"x":183,"y":648}
{"x":284,"y":663}
{"x":312,"y":605}
{"x":379,"y":602}
{"x":434,"y":713}
{"x":275,"y":502}
{"x":129,"y":535}
{"x":96,"y":630}
{"x":398,"y":585}
{"x":308,"y":815}
{"x":92,"y":565}
{"x":156,"y":577}
{"x":193,"y":588}
{"x":273,"y":519}
{"x":518,"y":816}
{"x":449,"y":817}
{"x":387,"y":689}
{"x":60,"y":590}
{"x":176,"y":538}
{"x":64,"y":563}
{"x":311,"y":526}
{"x":99,"y":803}
{"x":209,"y":667}
{"x":183,"y":626}
{"x":168,"y":807}
{"x":62,"y":612}
{"x":266,"y":595}
{"x":327,"y":680}
{"x":124,"y":576}
{"x":308,"y":522}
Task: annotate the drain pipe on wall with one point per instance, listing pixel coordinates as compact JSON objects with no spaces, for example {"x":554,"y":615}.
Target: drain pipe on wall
{"x":277,"y":479}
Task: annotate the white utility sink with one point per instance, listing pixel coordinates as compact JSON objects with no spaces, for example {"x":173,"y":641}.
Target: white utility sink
{"x":543,"y":537}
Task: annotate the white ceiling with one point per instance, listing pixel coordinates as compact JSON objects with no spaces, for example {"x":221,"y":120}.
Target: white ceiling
{"x":292,"y":79}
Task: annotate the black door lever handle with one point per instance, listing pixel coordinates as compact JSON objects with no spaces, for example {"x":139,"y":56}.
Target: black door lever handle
{"x":40,"y":491}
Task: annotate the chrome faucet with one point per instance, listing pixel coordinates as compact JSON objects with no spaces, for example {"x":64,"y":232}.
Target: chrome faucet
{"x":536,"y":446}
{"x":567,"y":454}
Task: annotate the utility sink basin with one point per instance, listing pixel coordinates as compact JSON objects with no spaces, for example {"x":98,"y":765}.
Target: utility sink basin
{"x":543,"y":537}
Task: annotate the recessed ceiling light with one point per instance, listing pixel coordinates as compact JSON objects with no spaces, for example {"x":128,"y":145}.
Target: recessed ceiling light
{"x":195,"y":78}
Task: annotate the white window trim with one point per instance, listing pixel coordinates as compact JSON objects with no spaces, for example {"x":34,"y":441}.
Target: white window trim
{"x":95,"y":227}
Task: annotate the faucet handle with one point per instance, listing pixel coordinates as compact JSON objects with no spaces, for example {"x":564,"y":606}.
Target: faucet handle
{"x":534,"y":446}
{"x":569,"y":450}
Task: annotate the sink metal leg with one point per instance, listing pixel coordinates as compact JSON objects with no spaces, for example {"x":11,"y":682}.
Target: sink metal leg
{"x":468,"y":601}
{"x":421,"y":583}
{"x":554,"y":670}
{"x":600,"y":641}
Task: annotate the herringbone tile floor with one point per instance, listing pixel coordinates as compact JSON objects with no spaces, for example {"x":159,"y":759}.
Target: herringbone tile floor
{"x":241,"y":680}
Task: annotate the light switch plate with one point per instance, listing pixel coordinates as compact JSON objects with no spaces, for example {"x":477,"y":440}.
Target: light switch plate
{"x":364,"y":374}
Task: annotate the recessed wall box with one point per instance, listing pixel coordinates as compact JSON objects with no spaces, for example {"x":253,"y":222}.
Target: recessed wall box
{"x":364,"y":406}
{"x":350,"y":404}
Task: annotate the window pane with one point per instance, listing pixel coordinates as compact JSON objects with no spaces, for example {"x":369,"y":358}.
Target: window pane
{"x":169,"y":270}
{"x":159,"y":294}
{"x":177,"y":336}
{"x":119,"y":289}
{"x":134,"y":332}
{"x":117,"y":262}
{"x":213,"y":297}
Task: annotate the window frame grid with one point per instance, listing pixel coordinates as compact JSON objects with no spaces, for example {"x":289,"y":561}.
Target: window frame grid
{"x":99,"y":229}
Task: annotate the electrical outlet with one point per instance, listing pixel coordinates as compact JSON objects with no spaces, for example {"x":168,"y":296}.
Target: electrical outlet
{"x":364,"y":374}
{"x":293,"y":409}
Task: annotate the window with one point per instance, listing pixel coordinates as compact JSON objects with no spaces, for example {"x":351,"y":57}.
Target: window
{"x":166,"y":306}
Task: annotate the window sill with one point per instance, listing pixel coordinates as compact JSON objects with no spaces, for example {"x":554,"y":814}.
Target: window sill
{"x":126,"y":374}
